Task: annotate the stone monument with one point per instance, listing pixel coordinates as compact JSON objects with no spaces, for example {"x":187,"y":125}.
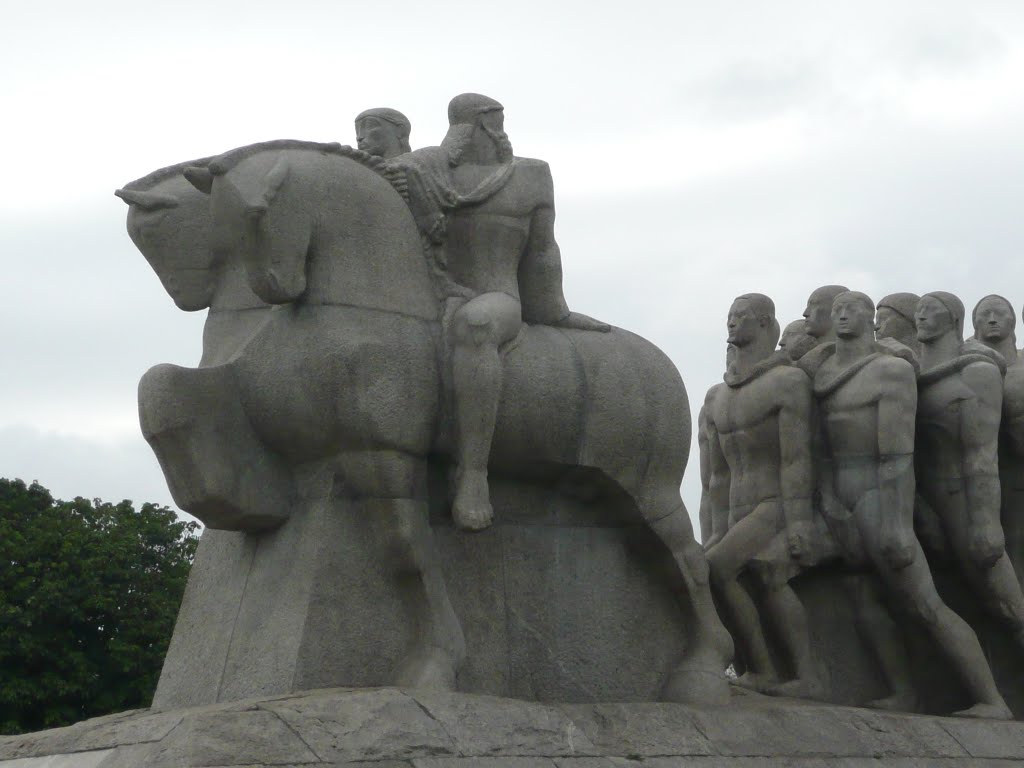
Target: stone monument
{"x":759,"y":448}
{"x":325,"y":435}
{"x":868,"y":401}
{"x":443,"y":519}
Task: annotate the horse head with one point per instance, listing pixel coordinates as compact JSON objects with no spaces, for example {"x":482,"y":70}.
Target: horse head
{"x":169,"y":222}
{"x":318,"y":222}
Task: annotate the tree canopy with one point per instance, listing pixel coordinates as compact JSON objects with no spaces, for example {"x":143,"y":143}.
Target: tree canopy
{"x":89,"y":592}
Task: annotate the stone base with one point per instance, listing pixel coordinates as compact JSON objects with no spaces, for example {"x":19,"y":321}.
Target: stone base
{"x":392,"y":728}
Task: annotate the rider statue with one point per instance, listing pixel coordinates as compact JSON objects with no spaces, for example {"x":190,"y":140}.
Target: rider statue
{"x":383,"y":132}
{"x":487,"y":220}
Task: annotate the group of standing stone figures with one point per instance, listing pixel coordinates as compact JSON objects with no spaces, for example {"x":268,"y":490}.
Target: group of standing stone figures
{"x":871,"y":435}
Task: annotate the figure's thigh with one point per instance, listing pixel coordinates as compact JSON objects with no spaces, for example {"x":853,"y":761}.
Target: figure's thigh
{"x":744,"y":540}
{"x":488,"y":318}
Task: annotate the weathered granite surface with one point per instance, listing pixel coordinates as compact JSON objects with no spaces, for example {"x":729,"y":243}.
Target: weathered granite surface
{"x":396,"y":728}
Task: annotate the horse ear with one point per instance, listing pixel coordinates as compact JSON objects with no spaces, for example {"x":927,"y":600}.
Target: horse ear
{"x":199,"y":177}
{"x":274,"y":180}
{"x":148,"y":201}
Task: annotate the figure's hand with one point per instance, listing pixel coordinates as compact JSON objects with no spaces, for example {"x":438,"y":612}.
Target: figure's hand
{"x":986,"y":545}
{"x":798,"y":540}
{"x":582,"y":322}
{"x":712,"y":540}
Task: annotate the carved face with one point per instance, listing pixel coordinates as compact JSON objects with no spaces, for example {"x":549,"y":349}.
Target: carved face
{"x":993,"y":319}
{"x":933,"y":319}
{"x":818,"y":315}
{"x":743,"y":323}
{"x":889,"y":324}
{"x":851,"y":318}
{"x":378,"y":137}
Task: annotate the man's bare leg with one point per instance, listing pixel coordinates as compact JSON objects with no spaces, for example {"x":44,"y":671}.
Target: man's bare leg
{"x":996,"y":585}
{"x":881,"y":634}
{"x":790,"y":622}
{"x":726,"y":560}
{"x":480,"y":327}
{"x":914,"y":588}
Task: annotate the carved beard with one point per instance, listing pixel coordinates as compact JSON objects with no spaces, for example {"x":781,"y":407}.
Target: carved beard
{"x":460,"y":136}
{"x":501,"y":141}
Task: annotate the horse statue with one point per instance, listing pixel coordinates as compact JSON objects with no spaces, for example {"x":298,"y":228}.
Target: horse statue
{"x":343,"y":380}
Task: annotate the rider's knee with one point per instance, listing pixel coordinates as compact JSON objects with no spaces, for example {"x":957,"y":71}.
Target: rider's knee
{"x":475,"y":326}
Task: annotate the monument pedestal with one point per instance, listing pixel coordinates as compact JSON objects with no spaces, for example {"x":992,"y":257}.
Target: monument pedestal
{"x":560,"y":600}
{"x":393,"y":728}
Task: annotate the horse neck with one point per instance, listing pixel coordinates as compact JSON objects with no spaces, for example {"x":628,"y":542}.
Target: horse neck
{"x":234,"y":316}
{"x":374,"y":261}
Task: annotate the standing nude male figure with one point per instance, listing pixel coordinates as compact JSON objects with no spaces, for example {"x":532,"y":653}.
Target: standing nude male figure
{"x":758,"y":427}
{"x":961,"y":405}
{"x":489,"y":218}
{"x":994,"y":325}
{"x":868,"y":402}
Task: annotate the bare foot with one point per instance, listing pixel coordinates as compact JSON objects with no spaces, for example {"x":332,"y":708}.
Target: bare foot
{"x":472,"y":509}
{"x":798,"y":688}
{"x":755,"y":681}
{"x":898,"y":701}
{"x":982,"y":711}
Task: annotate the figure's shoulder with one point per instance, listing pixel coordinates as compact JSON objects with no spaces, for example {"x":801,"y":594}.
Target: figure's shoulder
{"x":536,"y":176}
{"x":982,"y":374}
{"x":894,"y":371}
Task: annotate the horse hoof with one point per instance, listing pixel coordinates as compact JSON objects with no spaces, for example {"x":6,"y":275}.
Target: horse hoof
{"x":432,"y":669}
{"x":694,"y":685}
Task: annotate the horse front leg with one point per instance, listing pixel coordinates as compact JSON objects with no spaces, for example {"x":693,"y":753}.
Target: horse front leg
{"x":391,"y":488}
{"x":216,"y":467}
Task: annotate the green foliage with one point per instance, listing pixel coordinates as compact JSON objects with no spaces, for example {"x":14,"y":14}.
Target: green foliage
{"x":89,"y":592}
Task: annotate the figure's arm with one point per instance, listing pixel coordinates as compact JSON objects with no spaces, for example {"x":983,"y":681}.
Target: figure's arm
{"x":796,"y":476}
{"x":897,"y":414}
{"x":718,"y":486}
{"x":705,"y":476}
{"x":979,"y":430}
{"x":540,"y":270}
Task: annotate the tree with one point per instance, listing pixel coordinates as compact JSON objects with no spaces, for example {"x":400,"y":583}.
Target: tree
{"x":89,"y":592}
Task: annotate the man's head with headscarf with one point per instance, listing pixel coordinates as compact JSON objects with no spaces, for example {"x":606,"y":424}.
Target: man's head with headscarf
{"x":475,"y":117}
{"x":894,"y":318}
{"x":938,"y":313}
{"x":853,"y":315}
{"x":383,"y":132}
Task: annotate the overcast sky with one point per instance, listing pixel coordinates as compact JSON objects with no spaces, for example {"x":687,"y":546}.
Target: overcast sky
{"x":699,"y":151}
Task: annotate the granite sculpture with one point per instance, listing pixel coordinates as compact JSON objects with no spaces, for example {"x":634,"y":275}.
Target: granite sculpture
{"x":330,"y":406}
{"x":383,"y":132}
{"x":894,"y":319}
{"x":796,"y":341}
{"x":758,"y":433}
{"x":995,"y":323}
{"x":959,"y":414}
{"x":818,"y":324}
{"x":868,"y":400}
{"x":488,"y":218}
